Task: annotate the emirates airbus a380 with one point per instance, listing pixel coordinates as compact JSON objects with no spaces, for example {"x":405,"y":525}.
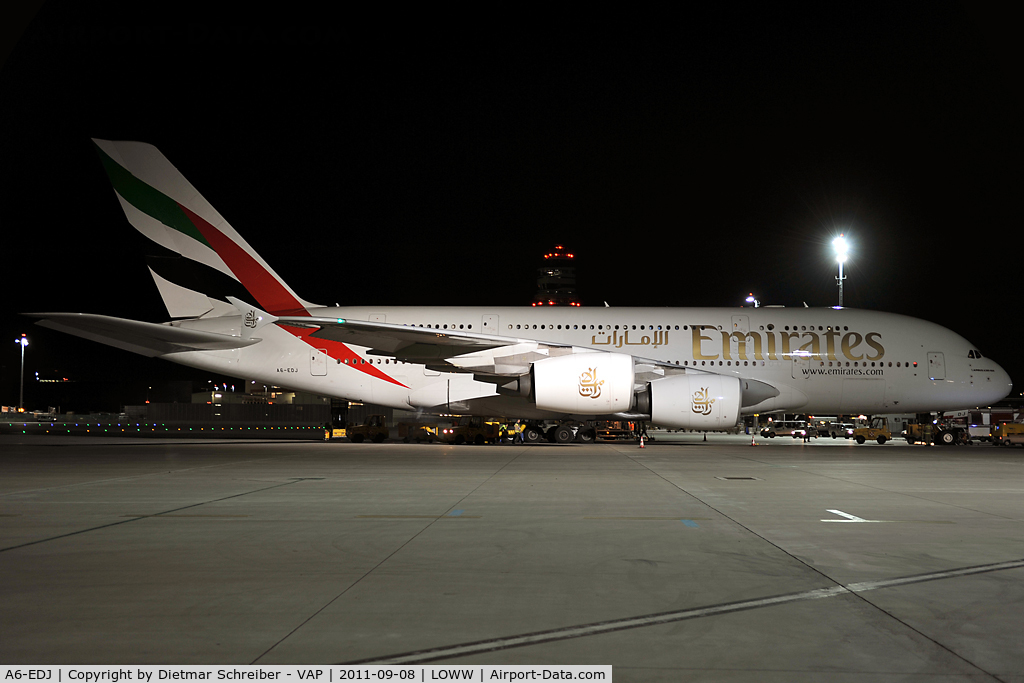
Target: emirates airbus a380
{"x":687,"y":368}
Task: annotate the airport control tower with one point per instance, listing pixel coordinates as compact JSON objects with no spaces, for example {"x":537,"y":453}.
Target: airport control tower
{"x":556,"y":280}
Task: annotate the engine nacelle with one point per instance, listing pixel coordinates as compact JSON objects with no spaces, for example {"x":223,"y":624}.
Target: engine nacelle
{"x":584,"y":383}
{"x":701,"y":402}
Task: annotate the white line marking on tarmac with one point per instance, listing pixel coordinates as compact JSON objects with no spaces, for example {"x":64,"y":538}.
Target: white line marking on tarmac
{"x":851,"y":518}
{"x":680,"y":615}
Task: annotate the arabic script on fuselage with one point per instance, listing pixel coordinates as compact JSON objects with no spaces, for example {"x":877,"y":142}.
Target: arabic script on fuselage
{"x":614,"y":339}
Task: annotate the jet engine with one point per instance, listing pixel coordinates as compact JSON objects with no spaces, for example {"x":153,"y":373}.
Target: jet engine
{"x":701,"y":402}
{"x":584,"y":383}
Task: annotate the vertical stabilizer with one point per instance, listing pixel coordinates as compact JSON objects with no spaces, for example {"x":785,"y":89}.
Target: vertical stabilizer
{"x":166,"y":208}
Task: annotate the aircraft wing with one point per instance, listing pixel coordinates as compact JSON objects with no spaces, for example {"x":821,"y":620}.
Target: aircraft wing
{"x":455,"y":351}
{"x":147,"y":339}
{"x":401,"y":341}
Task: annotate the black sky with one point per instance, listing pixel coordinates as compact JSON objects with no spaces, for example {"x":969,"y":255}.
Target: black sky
{"x":687,"y":157}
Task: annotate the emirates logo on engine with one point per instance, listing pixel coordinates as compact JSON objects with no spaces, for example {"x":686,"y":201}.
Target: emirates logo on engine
{"x":702,"y":401}
{"x":590,"y":386}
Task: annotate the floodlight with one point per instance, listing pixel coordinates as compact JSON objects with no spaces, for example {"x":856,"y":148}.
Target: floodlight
{"x":842,"y":249}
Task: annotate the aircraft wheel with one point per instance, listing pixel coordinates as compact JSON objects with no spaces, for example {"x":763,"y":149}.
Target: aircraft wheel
{"x":947,"y":438}
{"x":531,"y":435}
{"x":563,"y":434}
{"x":586,"y":436}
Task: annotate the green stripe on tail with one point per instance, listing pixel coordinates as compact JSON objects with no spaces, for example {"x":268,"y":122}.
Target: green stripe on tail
{"x":149,"y":200}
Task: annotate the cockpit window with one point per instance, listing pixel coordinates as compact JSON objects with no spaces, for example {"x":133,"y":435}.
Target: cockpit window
{"x":974,"y":353}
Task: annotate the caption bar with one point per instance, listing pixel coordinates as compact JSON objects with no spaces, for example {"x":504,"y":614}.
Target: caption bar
{"x":305,"y":674}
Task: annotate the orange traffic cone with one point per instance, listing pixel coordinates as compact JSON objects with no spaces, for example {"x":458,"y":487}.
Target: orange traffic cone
{"x":641,"y":442}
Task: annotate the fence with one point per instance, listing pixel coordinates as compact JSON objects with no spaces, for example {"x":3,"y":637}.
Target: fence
{"x":307,"y":415}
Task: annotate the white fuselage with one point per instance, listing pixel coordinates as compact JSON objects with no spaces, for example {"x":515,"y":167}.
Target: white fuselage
{"x":821,"y":360}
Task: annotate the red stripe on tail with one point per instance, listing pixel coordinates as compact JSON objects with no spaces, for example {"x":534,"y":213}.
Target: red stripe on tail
{"x":270,"y":294}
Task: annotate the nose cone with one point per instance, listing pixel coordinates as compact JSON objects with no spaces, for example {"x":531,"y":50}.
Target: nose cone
{"x":999,"y":387}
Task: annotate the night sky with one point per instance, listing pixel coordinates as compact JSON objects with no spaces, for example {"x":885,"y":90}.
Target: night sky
{"x":686,"y":157}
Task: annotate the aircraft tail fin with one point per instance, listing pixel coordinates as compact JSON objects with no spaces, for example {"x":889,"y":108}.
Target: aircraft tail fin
{"x":166,"y":208}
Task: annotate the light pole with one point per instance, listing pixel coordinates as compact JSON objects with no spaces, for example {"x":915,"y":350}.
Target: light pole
{"x":23,"y":340}
{"x":841,"y":249}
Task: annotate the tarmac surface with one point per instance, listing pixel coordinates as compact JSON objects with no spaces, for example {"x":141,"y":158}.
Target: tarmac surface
{"x":682,"y":561}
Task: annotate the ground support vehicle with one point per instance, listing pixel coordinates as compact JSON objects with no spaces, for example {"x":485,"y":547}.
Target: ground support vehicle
{"x":475,"y":430}
{"x":920,"y":433}
{"x":819,"y":426}
{"x":613,"y":430}
{"x":794,"y":428}
{"x":1007,"y":433}
{"x":877,"y":430}
{"x":418,"y":432}
{"x":840,"y":429}
{"x":374,"y":428}
{"x":929,"y":431}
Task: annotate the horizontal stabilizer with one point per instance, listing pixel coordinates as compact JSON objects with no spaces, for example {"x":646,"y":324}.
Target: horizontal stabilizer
{"x":147,"y":339}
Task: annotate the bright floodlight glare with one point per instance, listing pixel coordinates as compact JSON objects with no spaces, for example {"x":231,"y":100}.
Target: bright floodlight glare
{"x":841,"y":247}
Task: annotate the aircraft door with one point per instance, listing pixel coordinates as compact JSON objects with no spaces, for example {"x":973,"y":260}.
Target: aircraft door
{"x":489,"y":324}
{"x":936,"y":366}
{"x":318,"y":362}
{"x":801,"y":367}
